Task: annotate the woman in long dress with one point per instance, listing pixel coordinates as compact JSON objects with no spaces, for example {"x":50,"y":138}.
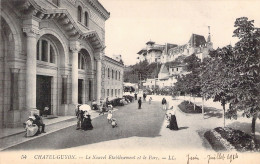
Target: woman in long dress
{"x":109,"y":115}
{"x":86,"y":125}
{"x":173,"y":121}
{"x":31,"y":129}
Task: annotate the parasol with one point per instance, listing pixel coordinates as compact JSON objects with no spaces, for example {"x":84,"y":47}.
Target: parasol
{"x":85,"y":107}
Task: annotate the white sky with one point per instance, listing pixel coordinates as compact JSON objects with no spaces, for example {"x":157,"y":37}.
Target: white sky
{"x":134,"y":22}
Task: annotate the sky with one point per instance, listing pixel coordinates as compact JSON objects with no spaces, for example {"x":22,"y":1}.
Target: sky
{"x":132,"y":23}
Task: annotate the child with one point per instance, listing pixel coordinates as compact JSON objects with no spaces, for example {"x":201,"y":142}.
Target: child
{"x":113,"y":122}
{"x":109,"y":115}
{"x":150,"y":100}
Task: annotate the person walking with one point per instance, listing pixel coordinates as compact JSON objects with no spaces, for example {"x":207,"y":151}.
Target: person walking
{"x":150,"y":100}
{"x":164,"y":103}
{"x":86,"y":122}
{"x":144,"y":96}
{"x":139,"y":103}
{"x":79,"y":114}
{"x":173,"y":121}
{"x":135,"y":96}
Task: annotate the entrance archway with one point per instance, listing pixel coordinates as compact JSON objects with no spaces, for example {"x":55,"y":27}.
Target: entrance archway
{"x":50,"y":57}
{"x":85,"y":70}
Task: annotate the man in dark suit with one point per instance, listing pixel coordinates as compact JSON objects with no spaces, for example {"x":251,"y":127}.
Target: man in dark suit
{"x":38,"y":121}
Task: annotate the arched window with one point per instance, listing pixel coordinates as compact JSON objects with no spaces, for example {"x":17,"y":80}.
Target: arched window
{"x":86,"y":19}
{"x":116,"y":75}
{"x":81,"y":63}
{"x":79,"y":13}
{"x":112,"y":74}
{"x":45,"y":51}
{"x":56,"y":2}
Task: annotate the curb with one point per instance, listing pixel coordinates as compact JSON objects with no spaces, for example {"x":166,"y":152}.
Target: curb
{"x":44,"y":134}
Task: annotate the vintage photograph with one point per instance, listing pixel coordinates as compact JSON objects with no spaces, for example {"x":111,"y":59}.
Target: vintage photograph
{"x":130,"y":81}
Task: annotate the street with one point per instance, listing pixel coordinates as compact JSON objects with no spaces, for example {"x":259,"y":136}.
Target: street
{"x":146,"y":122}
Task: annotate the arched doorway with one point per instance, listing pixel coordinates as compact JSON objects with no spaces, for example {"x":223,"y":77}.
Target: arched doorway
{"x":85,"y":85}
{"x":9,"y":97}
{"x":50,"y":55}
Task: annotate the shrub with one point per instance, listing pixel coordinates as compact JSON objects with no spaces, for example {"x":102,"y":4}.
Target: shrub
{"x":187,"y":107}
{"x":240,"y":140}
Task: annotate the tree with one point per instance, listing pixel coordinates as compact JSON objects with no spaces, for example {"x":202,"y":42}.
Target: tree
{"x":215,"y":75}
{"x":246,"y":61}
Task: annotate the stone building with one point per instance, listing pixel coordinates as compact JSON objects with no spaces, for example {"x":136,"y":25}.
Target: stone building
{"x":152,"y":52}
{"x":112,"y":78}
{"x":51,"y":56}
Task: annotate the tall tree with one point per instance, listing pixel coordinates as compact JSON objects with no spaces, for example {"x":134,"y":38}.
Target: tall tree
{"x":246,"y":63}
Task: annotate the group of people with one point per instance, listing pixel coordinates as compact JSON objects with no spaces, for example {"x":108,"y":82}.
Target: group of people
{"x":83,"y":119}
{"x":170,"y":116}
{"x":34,"y":126}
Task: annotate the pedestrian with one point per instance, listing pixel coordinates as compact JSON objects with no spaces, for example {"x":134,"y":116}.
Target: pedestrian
{"x":139,"y":103}
{"x":38,"y":121}
{"x":103,"y":108}
{"x":164,"y":103}
{"x":79,"y":114}
{"x":173,"y":121}
{"x":113,"y":122}
{"x":110,"y":114}
{"x":144,"y":96}
{"x":94,"y":105}
{"x":150,"y":100}
{"x":86,"y":122}
{"x":135,"y":96}
{"x":30,"y":127}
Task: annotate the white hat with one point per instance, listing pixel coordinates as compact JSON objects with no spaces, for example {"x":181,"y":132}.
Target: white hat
{"x":32,"y":117}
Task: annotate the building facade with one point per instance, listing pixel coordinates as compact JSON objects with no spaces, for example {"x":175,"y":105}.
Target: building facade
{"x":112,"y":78}
{"x":51,"y":56}
{"x":167,"y":76}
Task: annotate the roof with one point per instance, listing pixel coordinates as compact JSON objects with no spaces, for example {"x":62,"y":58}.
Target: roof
{"x":164,"y":69}
{"x":150,"y":42}
{"x":197,"y":40}
{"x":141,"y":51}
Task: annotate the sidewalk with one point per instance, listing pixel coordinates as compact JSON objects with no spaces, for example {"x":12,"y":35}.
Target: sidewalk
{"x":13,"y":136}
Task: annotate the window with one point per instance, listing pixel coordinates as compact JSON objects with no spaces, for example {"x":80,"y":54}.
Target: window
{"x":86,"y":19}
{"x":56,"y":2}
{"x":79,"y":13}
{"x":112,"y":94}
{"x":81,"y":63}
{"x":176,"y":69}
{"x":45,"y":51}
{"x":118,"y":92}
{"x":119,"y":75}
{"x":115,"y":92}
{"x":112,"y":74}
{"x":107,"y":92}
{"x":108,"y":73}
{"x":116,"y":75}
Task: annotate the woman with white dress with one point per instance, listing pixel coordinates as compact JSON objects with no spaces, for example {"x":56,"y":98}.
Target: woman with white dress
{"x":109,"y":115}
{"x":31,"y":129}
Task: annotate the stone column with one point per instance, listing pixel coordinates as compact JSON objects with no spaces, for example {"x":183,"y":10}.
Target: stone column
{"x":74,"y":47}
{"x":99,"y":73}
{"x":14,"y":89}
{"x":31,"y":66}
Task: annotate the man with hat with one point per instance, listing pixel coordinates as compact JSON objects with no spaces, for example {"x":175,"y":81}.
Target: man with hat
{"x":38,"y":121}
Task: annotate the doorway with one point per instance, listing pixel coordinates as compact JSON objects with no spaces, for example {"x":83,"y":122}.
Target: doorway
{"x":80,"y":91}
{"x":43,"y":94}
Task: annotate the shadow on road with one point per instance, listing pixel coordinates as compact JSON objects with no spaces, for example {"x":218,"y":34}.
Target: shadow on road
{"x":181,"y":128}
{"x":212,"y":112}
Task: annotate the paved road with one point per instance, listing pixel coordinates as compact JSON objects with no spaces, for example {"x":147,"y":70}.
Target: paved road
{"x":146,"y":122}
